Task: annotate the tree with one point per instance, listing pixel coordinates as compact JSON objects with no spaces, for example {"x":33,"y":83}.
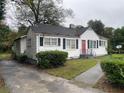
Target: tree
{"x":8,"y":42}
{"x":4,"y":31}
{"x":119,"y":36}
{"x":97,"y":26}
{"x":22,"y":30}
{"x":109,"y":33}
{"x":41,"y":11}
{"x":2,"y":5}
{"x":7,"y":38}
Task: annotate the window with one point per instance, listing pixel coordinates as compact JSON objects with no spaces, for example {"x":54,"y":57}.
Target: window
{"x":102,"y":43}
{"x":51,"y":41}
{"x":54,"y":41}
{"x":70,"y":44}
{"x":46,"y":41}
{"x":92,"y":44}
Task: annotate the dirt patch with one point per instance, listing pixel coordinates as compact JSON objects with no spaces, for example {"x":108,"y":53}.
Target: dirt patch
{"x":104,"y":85}
{"x":1,"y":82}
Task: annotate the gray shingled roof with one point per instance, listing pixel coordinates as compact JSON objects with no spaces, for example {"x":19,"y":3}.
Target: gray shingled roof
{"x":57,"y":30}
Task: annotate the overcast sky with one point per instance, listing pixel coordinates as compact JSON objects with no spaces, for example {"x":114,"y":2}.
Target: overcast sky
{"x":110,"y":12}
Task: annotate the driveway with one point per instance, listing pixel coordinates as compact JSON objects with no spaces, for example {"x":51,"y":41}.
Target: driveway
{"x":22,"y":79}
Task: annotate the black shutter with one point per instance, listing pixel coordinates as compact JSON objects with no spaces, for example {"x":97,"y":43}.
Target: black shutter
{"x":97,"y":44}
{"x":41,"y":41}
{"x":88,"y":44}
{"x":100,"y":43}
{"x":64,"y":43}
{"x":76,"y":43}
{"x":59,"y":42}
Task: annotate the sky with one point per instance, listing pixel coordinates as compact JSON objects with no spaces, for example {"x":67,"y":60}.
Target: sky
{"x":110,"y":12}
{"x":10,"y":15}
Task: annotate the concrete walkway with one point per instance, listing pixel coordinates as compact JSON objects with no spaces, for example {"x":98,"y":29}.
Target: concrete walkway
{"x":91,"y":76}
{"x":22,"y":79}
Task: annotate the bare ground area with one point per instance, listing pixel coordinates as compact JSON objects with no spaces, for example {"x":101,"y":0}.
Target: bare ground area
{"x":3,"y":88}
{"x":104,"y":85}
{"x":1,"y":82}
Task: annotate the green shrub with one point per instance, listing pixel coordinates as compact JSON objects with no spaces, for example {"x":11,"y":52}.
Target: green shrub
{"x":118,"y":56}
{"x":50,"y":59}
{"x":22,"y":58}
{"x":114,"y":70}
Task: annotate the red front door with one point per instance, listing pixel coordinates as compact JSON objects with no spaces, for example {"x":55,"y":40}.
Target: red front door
{"x":83,"y":46}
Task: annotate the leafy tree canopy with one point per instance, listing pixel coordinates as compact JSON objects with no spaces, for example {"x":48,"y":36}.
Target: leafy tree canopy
{"x":4,"y":31}
{"x":119,"y":36}
{"x":22,"y":30}
{"x":97,"y":26}
{"x":41,"y":11}
{"x":108,"y":32}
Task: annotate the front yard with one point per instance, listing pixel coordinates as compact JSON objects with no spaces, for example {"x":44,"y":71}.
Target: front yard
{"x":113,"y":80}
{"x":104,"y":85}
{"x":5,"y":56}
{"x":3,"y":88}
{"x":73,"y":68}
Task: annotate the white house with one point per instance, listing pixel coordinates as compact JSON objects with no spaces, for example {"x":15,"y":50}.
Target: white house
{"x":77,"y":42}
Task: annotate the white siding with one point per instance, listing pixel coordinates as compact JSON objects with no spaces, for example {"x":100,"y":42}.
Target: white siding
{"x":23,"y":45}
{"x":72,"y":53}
{"x":91,"y":35}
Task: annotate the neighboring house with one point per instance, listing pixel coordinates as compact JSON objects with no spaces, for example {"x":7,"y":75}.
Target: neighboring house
{"x":76,"y":42}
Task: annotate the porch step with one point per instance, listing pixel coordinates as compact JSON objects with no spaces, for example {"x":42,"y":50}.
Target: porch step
{"x":86,"y":56}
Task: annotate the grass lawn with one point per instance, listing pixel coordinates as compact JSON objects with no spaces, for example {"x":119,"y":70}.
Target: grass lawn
{"x":5,"y":56}
{"x":118,"y":56}
{"x":73,"y":68}
{"x":4,"y":90}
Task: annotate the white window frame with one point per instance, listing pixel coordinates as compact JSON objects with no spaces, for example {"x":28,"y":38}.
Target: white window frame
{"x":95,"y":44}
{"x":51,"y":42}
{"x":103,"y":43}
{"x":70,"y":45}
{"x":92,"y":44}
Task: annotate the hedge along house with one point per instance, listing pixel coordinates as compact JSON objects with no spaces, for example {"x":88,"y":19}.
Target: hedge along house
{"x":76,"y":42}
